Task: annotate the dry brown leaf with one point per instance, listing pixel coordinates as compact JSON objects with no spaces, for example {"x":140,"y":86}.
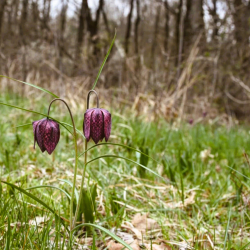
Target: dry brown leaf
{"x":137,"y":232}
{"x":86,"y":241}
{"x":143,"y":224}
{"x":117,"y":246}
{"x":157,"y":247}
{"x":190,"y":200}
{"x":38,"y":220}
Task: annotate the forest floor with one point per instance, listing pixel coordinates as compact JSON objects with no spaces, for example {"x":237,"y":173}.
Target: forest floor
{"x":197,"y":197}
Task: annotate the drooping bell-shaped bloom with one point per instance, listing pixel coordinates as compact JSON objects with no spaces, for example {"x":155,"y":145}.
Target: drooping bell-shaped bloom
{"x":46,"y":134}
{"x":97,"y":124}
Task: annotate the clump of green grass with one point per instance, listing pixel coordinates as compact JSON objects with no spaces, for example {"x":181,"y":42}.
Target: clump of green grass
{"x":201,"y":201}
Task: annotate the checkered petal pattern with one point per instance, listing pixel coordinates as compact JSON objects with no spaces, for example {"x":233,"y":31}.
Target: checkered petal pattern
{"x":107,"y":123}
{"x":97,"y":124}
{"x":46,"y":134}
{"x":86,"y":123}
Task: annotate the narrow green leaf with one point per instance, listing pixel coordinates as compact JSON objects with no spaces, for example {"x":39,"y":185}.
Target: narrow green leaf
{"x":78,"y":131}
{"x":32,"y":197}
{"x":32,"y":85}
{"x":49,"y":186}
{"x":120,"y":145}
{"x":35,"y":112}
{"x":93,"y":243}
{"x":104,"y":61}
{"x":86,"y":207}
{"x":71,"y":184}
{"x":24,"y":125}
{"x":238,"y":172}
{"x":244,"y":247}
{"x":8,"y":235}
{"x":62,"y":123}
{"x":107,"y":232}
{"x":27,"y":110}
{"x":228,"y":223}
{"x":93,"y":195}
{"x":127,"y":159}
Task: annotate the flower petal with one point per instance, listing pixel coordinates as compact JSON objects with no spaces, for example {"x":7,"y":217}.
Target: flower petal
{"x":107,"y":123}
{"x":35,"y":123}
{"x":96,"y":125}
{"x":40,"y":130}
{"x":51,"y":135}
{"x":86,"y":123}
{"x":56,"y":134}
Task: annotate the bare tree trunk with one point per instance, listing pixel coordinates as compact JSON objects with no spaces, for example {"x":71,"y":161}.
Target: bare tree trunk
{"x":63,"y":20}
{"x":80,"y":33}
{"x":46,"y":13}
{"x":137,"y":22}
{"x":60,"y":42}
{"x":193,"y":24}
{"x":16,"y":12}
{"x":241,"y":22}
{"x":127,"y":36}
{"x":2,"y":6}
{"x":180,"y":44}
{"x":93,"y":26}
{"x":106,"y":22}
{"x":10,"y":13}
{"x":35,"y":17}
{"x":24,"y":15}
{"x":187,"y":35}
{"x":198,"y":20}
{"x":62,"y":27}
{"x":166,"y":26}
{"x":215,"y":20}
{"x":177,"y":30}
{"x":23,"y":34}
{"x":154,"y":43}
{"x":241,"y":17}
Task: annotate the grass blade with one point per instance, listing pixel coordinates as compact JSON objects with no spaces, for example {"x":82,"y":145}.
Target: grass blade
{"x":107,"y":232}
{"x":104,"y":61}
{"x":244,"y":247}
{"x":32,"y":85}
{"x":238,"y":172}
{"x":24,"y":125}
{"x":62,"y":123}
{"x":8,"y":235}
{"x":71,"y":184}
{"x":32,"y":197}
{"x":127,"y":159}
{"x":228,"y":223}
{"x":120,"y":145}
{"x":49,"y":186}
{"x":35,"y":112}
{"x":78,"y":131}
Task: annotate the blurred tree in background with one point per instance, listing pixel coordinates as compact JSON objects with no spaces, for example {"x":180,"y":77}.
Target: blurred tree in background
{"x":185,"y":55}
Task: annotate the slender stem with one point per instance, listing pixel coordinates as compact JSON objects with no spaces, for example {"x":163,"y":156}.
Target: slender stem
{"x":97,"y":98}
{"x":85,"y":160}
{"x":82,"y":183}
{"x":76,"y":159}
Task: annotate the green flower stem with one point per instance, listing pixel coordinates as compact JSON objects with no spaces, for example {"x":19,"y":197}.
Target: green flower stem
{"x":82,"y":183}
{"x":76,"y":159}
{"x":85,"y":160}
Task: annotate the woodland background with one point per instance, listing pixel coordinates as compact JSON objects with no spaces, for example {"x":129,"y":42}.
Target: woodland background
{"x":172,"y":58}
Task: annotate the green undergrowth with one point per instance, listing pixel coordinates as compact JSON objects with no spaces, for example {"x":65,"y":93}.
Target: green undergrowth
{"x":201,"y":200}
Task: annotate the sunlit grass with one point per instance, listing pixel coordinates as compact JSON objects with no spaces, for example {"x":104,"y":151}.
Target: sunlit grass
{"x":201,"y":202}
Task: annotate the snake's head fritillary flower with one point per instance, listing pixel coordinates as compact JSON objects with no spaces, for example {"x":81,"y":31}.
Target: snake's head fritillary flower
{"x":97,"y":124}
{"x":46,"y":134}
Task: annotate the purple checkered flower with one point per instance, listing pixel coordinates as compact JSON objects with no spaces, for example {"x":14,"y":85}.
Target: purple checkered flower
{"x":46,"y":134}
{"x":97,"y":124}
